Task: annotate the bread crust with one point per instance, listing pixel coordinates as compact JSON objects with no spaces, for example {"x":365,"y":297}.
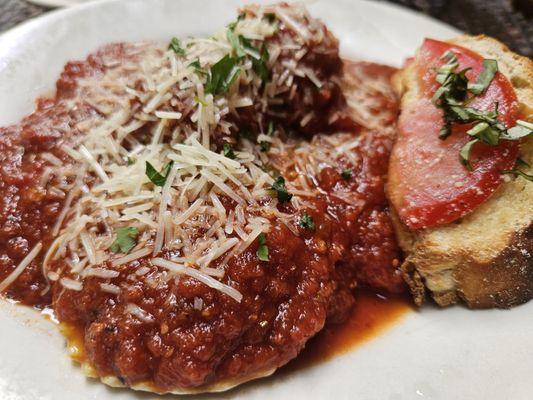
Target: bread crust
{"x":486,"y":258}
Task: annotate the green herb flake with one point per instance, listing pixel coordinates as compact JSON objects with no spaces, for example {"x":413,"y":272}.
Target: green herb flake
{"x":519,"y":131}
{"x":228,"y":151}
{"x":125,"y":241}
{"x":249,"y":49}
{"x":453,"y":97}
{"x":270,"y":130}
{"x":158,"y":178}
{"x":517,"y":170}
{"x":346,"y":174}
{"x":222,"y":75}
{"x":262,"y":250}
{"x":485,"y":133}
{"x":131,"y":160}
{"x":281,"y":191}
{"x":520,"y":173}
{"x":197,"y":67}
{"x":270,"y":17}
{"x":306,"y":222}
{"x":264,"y":146}
{"x":490,"y":67}
{"x":235,"y":42}
{"x":200,"y":101}
{"x":466,"y":151}
{"x":175,"y":46}
{"x":260,"y":65}
{"x":522,"y":163}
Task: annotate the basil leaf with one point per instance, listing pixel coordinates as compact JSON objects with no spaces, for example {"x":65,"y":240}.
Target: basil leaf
{"x":464,"y":154}
{"x":270,"y":130}
{"x":306,"y":222}
{"x":452,"y":97}
{"x":197,"y":67}
{"x":279,"y":187}
{"x":199,"y":101}
{"x":446,"y":130}
{"x":522,"y":163}
{"x":260,"y":66}
{"x":175,"y":46}
{"x":264,"y":146}
{"x":262,"y":250}
{"x":228,"y":151}
{"x":248,"y":49}
{"x":519,"y":131}
{"x":346,"y":174}
{"x":125,"y":241}
{"x":518,"y":172}
{"x":158,"y":178}
{"x":222,"y":75}
{"x":444,"y":72}
{"x":490,"y":67}
{"x":484,"y":132}
{"x":235,"y":42}
{"x":271,"y":17}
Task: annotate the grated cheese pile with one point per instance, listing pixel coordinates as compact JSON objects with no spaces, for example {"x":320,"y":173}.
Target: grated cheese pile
{"x":152,"y":107}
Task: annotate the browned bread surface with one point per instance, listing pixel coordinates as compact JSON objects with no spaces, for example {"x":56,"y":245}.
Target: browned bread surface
{"x":486,"y":258}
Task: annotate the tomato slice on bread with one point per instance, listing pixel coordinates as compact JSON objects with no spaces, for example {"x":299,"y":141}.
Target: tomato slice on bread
{"x":428,"y":185}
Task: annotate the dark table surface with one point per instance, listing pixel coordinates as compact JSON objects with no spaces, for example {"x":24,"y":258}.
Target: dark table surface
{"x":508,"y":20}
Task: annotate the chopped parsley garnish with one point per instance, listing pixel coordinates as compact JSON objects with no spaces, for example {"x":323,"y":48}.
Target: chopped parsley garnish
{"x":197,"y":67}
{"x":346,"y":174}
{"x":306,"y":222}
{"x":175,"y":46}
{"x":131,"y":160}
{"x":260,"y":64}
{"x":281,"y":191}
{"x":518,"y":172}
{"x":262,"y":250}
{"x":228,"y":151}
{"x":125,"y":241}
{"x":222,"y":75}
{"x":243,"y":47}
{"x":453,"y":97}
{"x":264,"y":145}
{"x":235,"y":41}
{"x":158,"y":178}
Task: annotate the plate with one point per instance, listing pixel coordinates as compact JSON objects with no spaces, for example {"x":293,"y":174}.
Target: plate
{"x":429,"y":354}
{"x":56,"y":3}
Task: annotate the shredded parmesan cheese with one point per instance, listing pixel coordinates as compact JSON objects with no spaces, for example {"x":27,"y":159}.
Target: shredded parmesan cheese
{"x":155,"y":109}
{"x":12,"y":277}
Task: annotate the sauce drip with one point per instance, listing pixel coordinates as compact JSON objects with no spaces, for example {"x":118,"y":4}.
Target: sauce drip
{"x":372,"y":314}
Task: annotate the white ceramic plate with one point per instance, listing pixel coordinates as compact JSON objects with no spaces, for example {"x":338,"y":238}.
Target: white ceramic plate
{"x":56,"y":3}
{"x":431,"y":354}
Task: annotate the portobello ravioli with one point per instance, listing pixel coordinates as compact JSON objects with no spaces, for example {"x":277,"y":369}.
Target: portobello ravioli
{"x":193,"y":213}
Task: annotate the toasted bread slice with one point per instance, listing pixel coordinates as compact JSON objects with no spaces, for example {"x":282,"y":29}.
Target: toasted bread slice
{"x":486,"y":258}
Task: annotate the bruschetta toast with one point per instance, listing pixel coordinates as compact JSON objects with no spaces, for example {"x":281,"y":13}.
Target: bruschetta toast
{"x":465,"y":225}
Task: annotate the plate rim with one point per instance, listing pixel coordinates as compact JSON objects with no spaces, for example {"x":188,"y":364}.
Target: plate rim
{"x":60,"y":11}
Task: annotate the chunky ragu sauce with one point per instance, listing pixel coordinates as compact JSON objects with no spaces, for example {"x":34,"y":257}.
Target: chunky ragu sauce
{"x":370,"y":316}
{"x":310,"y":278}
